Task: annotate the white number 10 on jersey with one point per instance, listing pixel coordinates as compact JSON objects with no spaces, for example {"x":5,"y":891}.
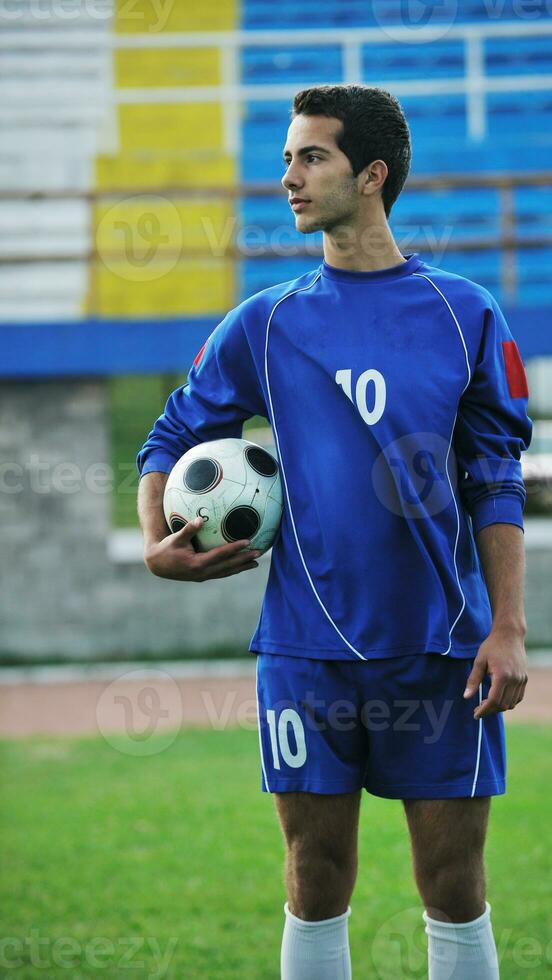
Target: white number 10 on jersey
{"x":373,"y":415}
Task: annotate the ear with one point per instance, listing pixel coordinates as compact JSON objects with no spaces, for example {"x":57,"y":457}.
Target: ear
{"x":372,"y":178}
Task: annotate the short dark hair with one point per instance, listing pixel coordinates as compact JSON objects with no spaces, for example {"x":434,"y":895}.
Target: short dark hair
{"x":374,"y":128}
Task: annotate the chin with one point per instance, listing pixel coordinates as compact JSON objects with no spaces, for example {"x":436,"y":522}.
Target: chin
{"x":305,"y":225}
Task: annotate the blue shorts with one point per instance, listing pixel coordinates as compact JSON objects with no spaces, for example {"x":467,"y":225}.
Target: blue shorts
{"x":398,"y":727}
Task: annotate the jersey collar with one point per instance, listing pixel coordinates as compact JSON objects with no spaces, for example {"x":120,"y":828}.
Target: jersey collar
{"x":413,"y":262}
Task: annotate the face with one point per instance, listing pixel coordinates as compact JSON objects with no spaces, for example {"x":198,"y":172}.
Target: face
{"x":319,"y":174}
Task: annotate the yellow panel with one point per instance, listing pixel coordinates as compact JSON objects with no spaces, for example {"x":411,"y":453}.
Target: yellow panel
{"x":131,"y":171}
{"x":184,"y":126}
{"x":167,"y":66}
{"x":156,"y":16}
{"x":190,"y":287}
{"x":148,"y":228}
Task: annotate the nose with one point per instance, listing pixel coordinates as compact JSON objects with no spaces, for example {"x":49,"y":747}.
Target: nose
{"x":291,"y":180}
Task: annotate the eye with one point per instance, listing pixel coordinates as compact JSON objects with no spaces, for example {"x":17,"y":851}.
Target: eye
{"x":313,"y":156}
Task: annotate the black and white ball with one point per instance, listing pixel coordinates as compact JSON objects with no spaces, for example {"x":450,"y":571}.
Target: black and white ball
{"x":234,"y":485}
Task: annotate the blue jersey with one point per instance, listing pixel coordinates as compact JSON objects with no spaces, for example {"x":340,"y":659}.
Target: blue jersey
{"x":398,"y":404}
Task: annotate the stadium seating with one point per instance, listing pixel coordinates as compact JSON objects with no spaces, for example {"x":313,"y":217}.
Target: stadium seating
{"x":264,"y":14}
{"x":88,"y":142}
{"x":443,"y":143}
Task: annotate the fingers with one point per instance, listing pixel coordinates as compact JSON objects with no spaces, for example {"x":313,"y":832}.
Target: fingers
{"x":501,"y":697}
{"x":215,"y":555}
{"x":226,"y":552}
{"x":513,"y":697}
{"x":477,"y":674}
{"x":190,"y":528}
{"x":228,"y":559}
{"x":518,"y":695}
{"x":491,"y":704}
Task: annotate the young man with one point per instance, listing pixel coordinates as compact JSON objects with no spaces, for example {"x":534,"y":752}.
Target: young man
{"x":397,"y":400}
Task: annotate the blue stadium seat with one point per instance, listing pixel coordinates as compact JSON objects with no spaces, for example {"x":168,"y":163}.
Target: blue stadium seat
{"x":295,"y":65}
{"x":533,"y":269}
{"x":262,"y":14}
{"x":446,"y":215}
{"x":403,"y":61}
{"x":533,"y":209}
{"x":529,"y":112}
{"x":525,"y":56}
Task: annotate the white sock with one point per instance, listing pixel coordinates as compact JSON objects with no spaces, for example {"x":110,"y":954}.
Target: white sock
{"x":315,"y":950}
{"x":462,"y":950}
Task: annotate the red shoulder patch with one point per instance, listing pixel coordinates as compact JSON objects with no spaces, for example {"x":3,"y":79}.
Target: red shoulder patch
{"x":200,"y":354}
{"x":515,"y":372}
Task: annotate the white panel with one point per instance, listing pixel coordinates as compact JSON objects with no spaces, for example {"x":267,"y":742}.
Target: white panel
{"x":53,"y":140}
{"x":24,"y":217}
{"x":29,"y":92}
{"x":54,"y":174}
{"x":46,"y":279}
{"x":58,"y":64}
{"x":38,"y":310}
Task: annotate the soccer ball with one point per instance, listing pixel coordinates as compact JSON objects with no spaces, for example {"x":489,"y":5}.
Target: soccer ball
{"x":234,"y":485}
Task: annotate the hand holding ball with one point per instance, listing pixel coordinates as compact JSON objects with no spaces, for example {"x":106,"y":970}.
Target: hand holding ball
{"x":234,"y":486}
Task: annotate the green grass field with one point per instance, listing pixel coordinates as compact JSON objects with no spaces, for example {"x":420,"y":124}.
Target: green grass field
{"x":111,"y":863}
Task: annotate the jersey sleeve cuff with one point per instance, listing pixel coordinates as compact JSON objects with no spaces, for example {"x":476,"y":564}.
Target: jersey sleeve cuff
{"x":157,"y":462}
{"x":500,"y":508}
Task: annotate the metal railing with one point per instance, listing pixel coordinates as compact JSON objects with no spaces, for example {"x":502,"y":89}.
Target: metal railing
{"x":475,"y":83}
{"x":508,"y":240}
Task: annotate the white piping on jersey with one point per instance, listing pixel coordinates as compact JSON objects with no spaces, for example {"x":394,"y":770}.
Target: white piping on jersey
{"x":479,"y":737}
{"x":420,"y":275}
{"x":259,"y":721}
{"x":277,"y":440}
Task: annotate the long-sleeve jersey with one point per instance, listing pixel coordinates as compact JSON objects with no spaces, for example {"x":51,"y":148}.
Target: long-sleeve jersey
{"x":398,"y":404}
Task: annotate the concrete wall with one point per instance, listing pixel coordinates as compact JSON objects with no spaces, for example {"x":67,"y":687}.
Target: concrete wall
{"x":63,"y":594}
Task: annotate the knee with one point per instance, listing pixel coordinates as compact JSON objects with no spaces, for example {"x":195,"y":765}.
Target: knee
{"x":453,"y":888}
{"x":320,"y":881}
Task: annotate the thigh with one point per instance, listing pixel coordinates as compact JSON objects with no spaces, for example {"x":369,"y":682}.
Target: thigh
{"x":449,"y":831}
{"x":328,"y":823}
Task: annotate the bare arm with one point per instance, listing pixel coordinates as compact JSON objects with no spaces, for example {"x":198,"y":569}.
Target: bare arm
{"x":502,"y":654}
{"x":150,"y":508}
{"x":502,"y":553}
{"x":173,"y":556}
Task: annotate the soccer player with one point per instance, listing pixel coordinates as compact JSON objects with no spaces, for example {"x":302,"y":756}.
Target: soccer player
{"x":391,"y":635}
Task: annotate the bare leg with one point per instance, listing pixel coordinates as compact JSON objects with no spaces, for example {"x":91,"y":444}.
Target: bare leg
{"x":321,"y":834}
{"x":448,"y":839}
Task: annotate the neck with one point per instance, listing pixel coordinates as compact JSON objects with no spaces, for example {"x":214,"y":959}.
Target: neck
{"x":362,"y":249}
